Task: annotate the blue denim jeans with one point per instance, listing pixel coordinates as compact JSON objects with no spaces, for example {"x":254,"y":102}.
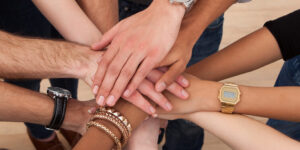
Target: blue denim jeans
{"x":288,"y":76}
{"x":23,"y":18}
{"x":182,"y":134}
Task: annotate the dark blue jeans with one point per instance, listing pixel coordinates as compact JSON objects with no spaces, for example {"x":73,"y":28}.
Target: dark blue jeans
{"x":288,"y":76}
{"x":23,"y":18}
{"x":181,"y":134}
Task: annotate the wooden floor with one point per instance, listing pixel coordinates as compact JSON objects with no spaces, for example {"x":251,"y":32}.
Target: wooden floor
{"x":240,"y":19}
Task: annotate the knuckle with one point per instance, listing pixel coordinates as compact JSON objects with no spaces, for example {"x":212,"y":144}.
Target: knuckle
{"x":142,"y":73}
{"x":126,"y":73}
{"x":168,"y":80}
{"x":103,"y":63}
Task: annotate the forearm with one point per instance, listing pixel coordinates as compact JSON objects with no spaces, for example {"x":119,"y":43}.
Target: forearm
{"x":249,"y":53}
{"x":37,"y":58}
{"x":69,"y":19}
{"x":271,"y":102}
{"x":275,"y":102}
{"x":22,"y":105}
{"x":241,"y":132}
{"x":103,"y":13}
{"x":202,"y":14}
{"x":94,"y":138}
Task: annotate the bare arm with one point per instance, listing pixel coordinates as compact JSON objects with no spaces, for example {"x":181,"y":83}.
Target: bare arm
{"x":22,"y":105}
{"x":47,"y":59}
{"x":272,"y":102}
{"x":251,"y":52}
{"x":103,"y":13}
{"x":94,"y":138}
{"x":194,"y":23}
{"x":243,"y":133}
{"x":70,"y":20}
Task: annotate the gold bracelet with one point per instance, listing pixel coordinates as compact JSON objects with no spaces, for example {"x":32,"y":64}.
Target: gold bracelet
{"x":107,"y":131}
{"x":118,"y":115}
{"x":116,"y":122}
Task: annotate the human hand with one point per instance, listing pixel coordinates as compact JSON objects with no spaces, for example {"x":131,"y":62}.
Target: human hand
{"x":147,"y":88}
{"x":203,"y":97}
{"x":78,"y":114}
{"x":176,"y":62}
{"x":89,"y":63}
{"x":137,"y":45}
{"x":145,"y":137}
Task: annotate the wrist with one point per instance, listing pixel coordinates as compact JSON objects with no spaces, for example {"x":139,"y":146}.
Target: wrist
{"x":177,"y":11}
{"x":189,"y":34}
{"x":75,"y":118}
{"x":209,"y":95}
{"x":83,"y":64}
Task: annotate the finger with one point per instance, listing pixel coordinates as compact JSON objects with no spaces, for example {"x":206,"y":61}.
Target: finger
{"x":99,"y":76}
{"x":110,"y":77}
{"x":174,"y":88}
{"x":138,"y":100}
{"x":170,"y":76}
{"x":92,"y":110}
{"x":103,"y":64}
{"x":140,"y":75}
{"x":180,"y":79}
{"x":169,"y":117}
{"x":147,"y":88}
{"x":123,"y":79}
{"x":106,"y":38}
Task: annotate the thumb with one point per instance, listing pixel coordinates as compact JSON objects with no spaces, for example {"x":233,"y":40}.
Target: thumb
{"x":106,"y":38}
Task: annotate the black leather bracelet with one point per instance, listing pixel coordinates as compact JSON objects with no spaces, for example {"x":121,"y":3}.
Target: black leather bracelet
{"x":60,"y":106}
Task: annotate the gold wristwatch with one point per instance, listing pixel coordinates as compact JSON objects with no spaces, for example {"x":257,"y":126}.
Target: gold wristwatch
{"x":229,"y":96}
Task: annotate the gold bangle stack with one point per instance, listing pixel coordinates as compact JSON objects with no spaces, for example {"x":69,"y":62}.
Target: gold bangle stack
{"x":107,"y":131}
{"x":119,"y":121}
{"x":117,"y":115}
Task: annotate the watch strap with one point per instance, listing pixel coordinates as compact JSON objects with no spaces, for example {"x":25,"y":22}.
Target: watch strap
{"x":227,"y":108}
{"x":60,"y":105}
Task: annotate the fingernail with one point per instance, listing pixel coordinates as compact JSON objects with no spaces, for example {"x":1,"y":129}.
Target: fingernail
{"x":161,"y":86}
{"x":154,"y":115}
{"x":185,"y":82}
{"x":169,"y":106}
{"x":152,"y":110}
{"x":92,"y":110}
{"x":100,"y":100}
{"x":126,"y":93}
{"x":147,"y":118}
{"x":110,"y":100}
{"x":184,"y":94}
{"x":95,"y":89}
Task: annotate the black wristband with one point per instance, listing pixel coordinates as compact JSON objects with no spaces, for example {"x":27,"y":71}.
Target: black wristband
{"x":60,"y":105}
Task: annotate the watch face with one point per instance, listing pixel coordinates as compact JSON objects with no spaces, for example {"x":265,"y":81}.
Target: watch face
{"x":60,"y":92}
{"x":229,"y":95}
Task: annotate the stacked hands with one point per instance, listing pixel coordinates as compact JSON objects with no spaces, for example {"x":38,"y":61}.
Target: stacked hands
{"x":139,"y":61}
